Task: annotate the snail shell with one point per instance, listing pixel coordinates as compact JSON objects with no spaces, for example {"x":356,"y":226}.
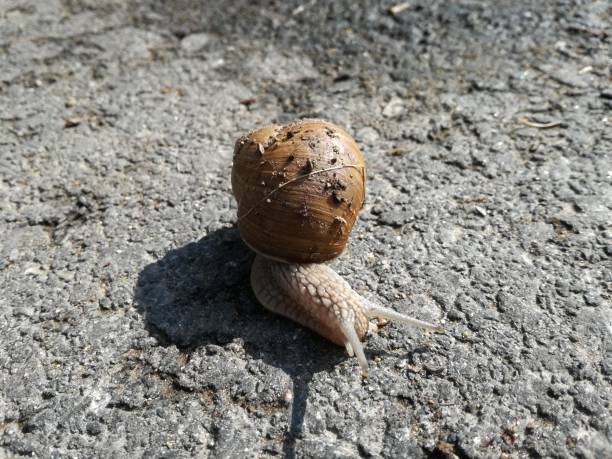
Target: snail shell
{"x":299,"y":189}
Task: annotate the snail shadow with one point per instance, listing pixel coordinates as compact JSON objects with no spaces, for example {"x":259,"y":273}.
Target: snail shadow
{"x":199,"y":295}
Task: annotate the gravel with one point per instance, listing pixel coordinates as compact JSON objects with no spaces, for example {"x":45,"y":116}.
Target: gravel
{"x":127,"y":324}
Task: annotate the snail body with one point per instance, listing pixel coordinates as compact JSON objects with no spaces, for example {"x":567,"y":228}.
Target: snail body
{"x":299,"y":190}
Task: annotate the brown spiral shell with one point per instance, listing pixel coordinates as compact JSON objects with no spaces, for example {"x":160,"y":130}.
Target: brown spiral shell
{"x":299,"y":188}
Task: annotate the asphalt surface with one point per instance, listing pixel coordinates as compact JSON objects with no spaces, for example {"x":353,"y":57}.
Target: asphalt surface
{"x":127,"y":324}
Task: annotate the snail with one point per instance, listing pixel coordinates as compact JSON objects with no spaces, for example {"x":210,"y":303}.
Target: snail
{"x":299,"y":189}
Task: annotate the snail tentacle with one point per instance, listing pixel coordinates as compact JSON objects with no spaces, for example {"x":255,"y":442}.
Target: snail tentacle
{"x":348,"y":329}
{"x":376,"y":311}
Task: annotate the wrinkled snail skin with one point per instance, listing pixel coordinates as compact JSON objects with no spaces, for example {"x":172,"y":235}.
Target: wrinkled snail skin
{"x":299,"y":189}
{"x":315,"y":296}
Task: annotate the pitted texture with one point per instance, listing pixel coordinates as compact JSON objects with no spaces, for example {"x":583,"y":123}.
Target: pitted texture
{"x":311,"y":294}
{"x":126,"y":327}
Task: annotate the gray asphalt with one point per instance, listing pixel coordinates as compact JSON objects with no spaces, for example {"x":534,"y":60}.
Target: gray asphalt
{"x":127,"y":324}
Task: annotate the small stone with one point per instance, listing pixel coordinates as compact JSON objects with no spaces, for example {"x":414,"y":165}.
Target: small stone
{"x":195,"y":42}
{"x":73,"y":121}
{"x":105,"y":303}
{"x":455,"y":315}
{"x":562,"y":288}
{"x":94,"y":428}
{"x":507,"y":302}
{"x":588,"y":403}
{"x":394,"y":108}
{"x":70,"y":102}
{"x":592,"y":299}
